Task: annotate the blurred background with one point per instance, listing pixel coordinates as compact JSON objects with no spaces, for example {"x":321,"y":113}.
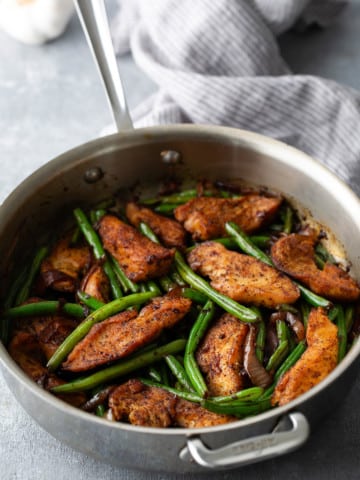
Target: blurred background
{"x":51,"y":99}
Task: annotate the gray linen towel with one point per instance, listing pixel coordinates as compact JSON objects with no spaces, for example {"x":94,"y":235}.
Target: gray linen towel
{"x":218,"y":62}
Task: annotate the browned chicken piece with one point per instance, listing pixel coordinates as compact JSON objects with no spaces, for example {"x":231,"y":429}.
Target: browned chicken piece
{"x":318,"y":360}
{"x":65,"y":265}
{"x":193,"y":415}
{"x":142,"y":405}
{"x":122,"y":334}
{"x":140,"y":258}
{"x":170,"y":232}
{"x":96,"y":284}
{"x":55,"y":332}
{"x":221,"y":353}
{"x":241,"y":277}
{"x":49,"y":330}
{"x":25,"y":350}
{"x":294,"y":254}
{"x":205,"y":217}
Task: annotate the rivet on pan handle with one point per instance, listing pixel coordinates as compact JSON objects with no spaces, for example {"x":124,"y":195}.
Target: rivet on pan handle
{"x":250,"y":450}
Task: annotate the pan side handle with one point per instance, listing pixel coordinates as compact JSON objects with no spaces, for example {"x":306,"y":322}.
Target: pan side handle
{"x":250,"y":450}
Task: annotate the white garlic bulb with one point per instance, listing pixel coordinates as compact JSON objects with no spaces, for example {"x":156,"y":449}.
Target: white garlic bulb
{"x":35,"y":21}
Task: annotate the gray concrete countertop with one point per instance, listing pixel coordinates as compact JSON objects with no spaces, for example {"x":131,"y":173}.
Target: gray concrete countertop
{"x":51,"y":100}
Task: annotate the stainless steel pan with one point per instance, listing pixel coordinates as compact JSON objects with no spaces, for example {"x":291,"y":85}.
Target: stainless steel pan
{"x":97,"y":169}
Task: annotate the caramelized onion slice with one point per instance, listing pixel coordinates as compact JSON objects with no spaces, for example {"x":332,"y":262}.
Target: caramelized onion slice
{"x":255,"y":370}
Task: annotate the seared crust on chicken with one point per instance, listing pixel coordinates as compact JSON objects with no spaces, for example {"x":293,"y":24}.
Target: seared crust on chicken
{"x":140,"y":258}
{"x":193,"y":415}
{"x":96,"y":284}
{"x":318,"y":360}
{"x":26,"y":349}
{"x":170,"y":232}
{"x":122,"y":334}
{"x":142,"y":405}
{"x":48,"y":331}
{"x":154,"y":407}
{"x":205,"y":217}
{"x":294,"y":254}
{"x":55,"y":332}
{"x":221,"y":353}
{"x":241,"y":277}
{"x":62,"y":269}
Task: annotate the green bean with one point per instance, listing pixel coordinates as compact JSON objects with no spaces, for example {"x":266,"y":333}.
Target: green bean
{"x":177,"y":279}
{"x":100,"y":410}
{"x":322,"y":252}
{"x":194,"y":374}
{"x":278,"y":356}
{"x":320,"y":263}
{"x":97,"y":214}
{"x":305,"y":312}
{"x":179,"y":372}
{"x":125,"y":282}
{"x":180,"y":197}
{"x":196,"y":333}
{"x":94,"y":241}
{"x":288,"y":220}
{"x":260,"y":240}
{"x":245,"y":244}
{"x":285,"y":307}
{"x":151,"y":286}
{"x":148,"y":232}
{"x":164,"y":372}
{"x":238,"y":408}
{"x":75,"y":236}
{"x":99,"y":315}
{"x":24,"y":292}
{"x":166,"y":208}
{"x":8,"y":303}
{"x":200,"y":326}
{"x":334,"y":312}
{"x":48,"y":307}
{"x":189,"y":396}
{"x":312,"y":298}
{"x":260,"y":340}
{"x":10,"y":300}
{"x":342,"y":334}
{"x":349,"y":317}
{"x":292,"y":358}
{"x":194,"y":295}
{"x":248,"y":394}
{"x":154,"y":374}
{"x":89,"y":301}
{"x":239,"y":311}
{"x":281,"y":330}
{"x":229,"y":242}
{"x":166,"y":283}
{"x":120,"y":369}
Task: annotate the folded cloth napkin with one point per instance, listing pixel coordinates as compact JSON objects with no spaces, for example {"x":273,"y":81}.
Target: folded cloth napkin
{"x":218,"y":62}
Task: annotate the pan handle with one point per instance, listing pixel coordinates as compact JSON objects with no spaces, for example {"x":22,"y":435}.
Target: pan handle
{"x":93,"y":18}
{"x":250,"y":450}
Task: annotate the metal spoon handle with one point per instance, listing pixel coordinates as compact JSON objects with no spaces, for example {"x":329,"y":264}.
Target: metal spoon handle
{"x":93,"y":18}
